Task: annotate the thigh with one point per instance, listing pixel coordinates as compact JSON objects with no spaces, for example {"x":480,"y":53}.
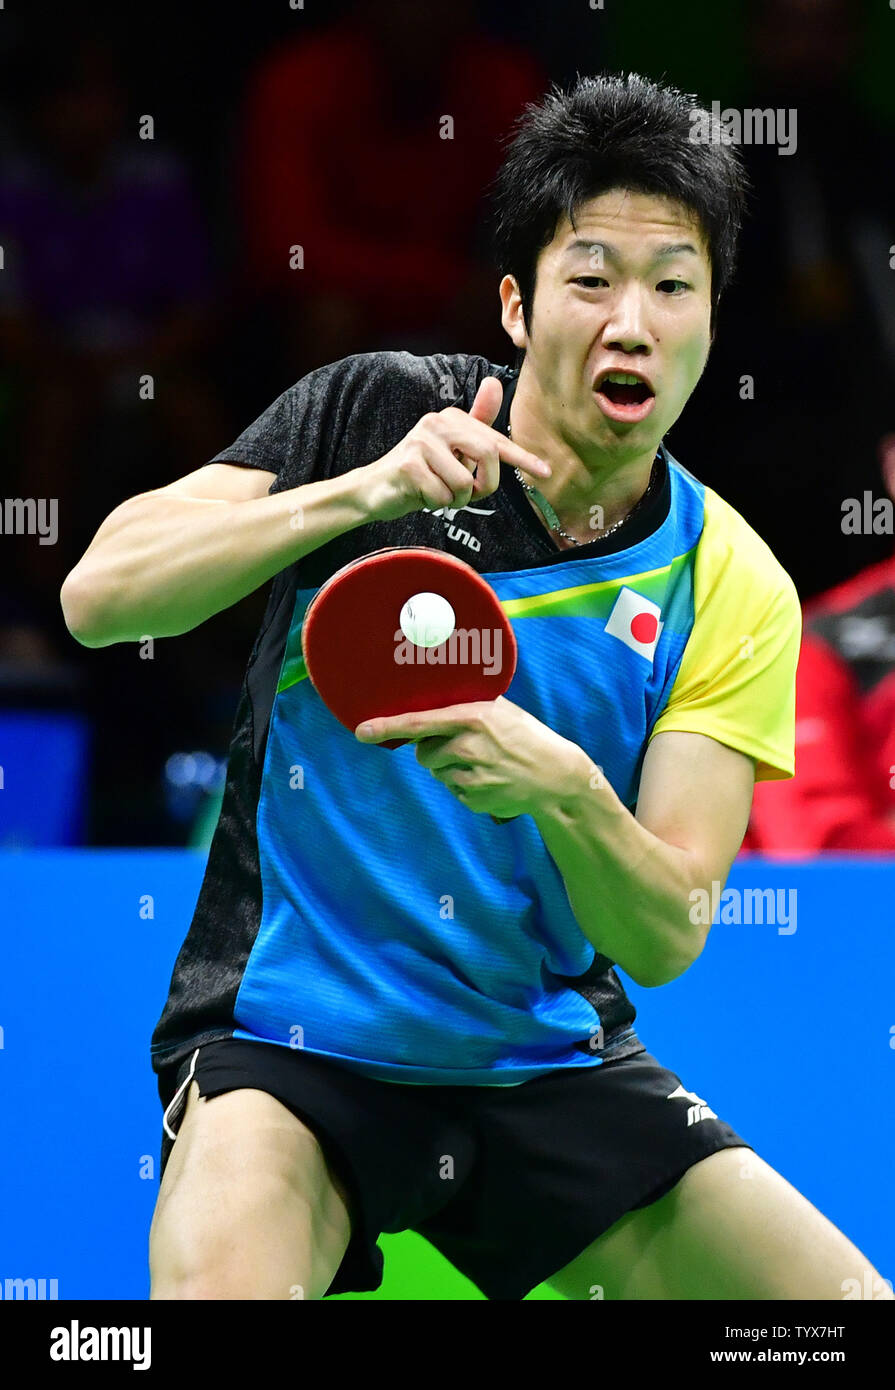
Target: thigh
{"x":247,"y":1207}
{"x":731,"y":1228}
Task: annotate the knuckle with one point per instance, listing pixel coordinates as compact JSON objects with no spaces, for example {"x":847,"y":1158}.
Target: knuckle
{"x":411,"y":455}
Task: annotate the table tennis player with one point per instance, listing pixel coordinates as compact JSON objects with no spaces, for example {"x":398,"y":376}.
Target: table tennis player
{"x":400,"y":1003}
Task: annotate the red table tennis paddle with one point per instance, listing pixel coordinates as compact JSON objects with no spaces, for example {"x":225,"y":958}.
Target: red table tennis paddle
{"x":363,"y":666}
{"x":360,"y":660}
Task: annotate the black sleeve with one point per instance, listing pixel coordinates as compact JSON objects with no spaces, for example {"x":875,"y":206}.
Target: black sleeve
{"x":267,"y":442}
{"x":345,"y":414}
{"x":287,"y":438}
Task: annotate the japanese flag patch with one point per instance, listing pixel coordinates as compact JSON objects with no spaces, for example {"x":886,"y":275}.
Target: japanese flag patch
{"x":636,"y":621}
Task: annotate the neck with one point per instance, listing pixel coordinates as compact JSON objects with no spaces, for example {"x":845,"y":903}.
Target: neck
{"x":583,"y":477}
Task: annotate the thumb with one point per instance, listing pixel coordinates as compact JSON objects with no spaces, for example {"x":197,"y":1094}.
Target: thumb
{"x":488,"y":400}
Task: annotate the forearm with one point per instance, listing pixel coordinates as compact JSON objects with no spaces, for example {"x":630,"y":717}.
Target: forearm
{"x":161,"y":564}
{"x":629,"y":890}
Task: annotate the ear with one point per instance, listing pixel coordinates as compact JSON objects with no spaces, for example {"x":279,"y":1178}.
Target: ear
{"x":511,"y":311}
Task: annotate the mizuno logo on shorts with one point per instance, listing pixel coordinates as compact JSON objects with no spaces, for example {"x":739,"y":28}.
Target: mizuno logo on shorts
{"x":699,"y":1110}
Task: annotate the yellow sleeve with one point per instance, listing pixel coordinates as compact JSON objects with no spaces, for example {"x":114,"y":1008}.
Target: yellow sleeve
{"x":737,"y":677}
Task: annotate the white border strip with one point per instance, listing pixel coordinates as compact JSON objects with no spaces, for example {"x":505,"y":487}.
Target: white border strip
{"x":177,"y":1094}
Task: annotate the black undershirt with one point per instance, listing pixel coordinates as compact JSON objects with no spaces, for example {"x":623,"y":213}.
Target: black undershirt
{"x":648,"y":519}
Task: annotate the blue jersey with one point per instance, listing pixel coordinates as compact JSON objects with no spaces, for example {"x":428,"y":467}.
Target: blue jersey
{"x":352,"y":906}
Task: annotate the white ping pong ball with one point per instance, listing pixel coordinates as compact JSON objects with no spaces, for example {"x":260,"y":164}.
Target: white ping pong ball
{"x":427,"y":620}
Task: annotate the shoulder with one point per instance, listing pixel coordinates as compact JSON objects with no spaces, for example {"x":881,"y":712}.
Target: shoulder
{"x":732,"y":557}
{"x":432,"y":381}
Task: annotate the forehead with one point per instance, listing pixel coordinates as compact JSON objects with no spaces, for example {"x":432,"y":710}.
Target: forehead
{"x":631,"y":221}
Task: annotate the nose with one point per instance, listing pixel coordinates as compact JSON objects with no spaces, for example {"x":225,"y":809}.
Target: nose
{"x":626,"y":329}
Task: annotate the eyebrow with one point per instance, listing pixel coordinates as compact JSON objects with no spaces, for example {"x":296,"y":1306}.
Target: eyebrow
{"x":675,"y":248}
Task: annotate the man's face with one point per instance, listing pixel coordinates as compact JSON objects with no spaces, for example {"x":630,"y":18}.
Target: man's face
{"x":611,"y":295}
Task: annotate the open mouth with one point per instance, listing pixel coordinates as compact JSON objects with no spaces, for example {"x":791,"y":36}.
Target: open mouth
{"x":621,"y":392}
{"x":625,"y":398}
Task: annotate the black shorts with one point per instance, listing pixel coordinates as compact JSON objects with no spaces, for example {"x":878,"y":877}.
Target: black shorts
{"x":510,"y":1183}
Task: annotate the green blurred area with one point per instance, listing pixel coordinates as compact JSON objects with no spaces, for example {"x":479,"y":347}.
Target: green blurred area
{"x":202,"y":829}
{"x":703,"y":47}
{"x":415,"y":1270}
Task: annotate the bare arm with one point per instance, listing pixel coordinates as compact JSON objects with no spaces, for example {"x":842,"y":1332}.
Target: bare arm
{"x":630,"y":878}
{"x":165,"y":561}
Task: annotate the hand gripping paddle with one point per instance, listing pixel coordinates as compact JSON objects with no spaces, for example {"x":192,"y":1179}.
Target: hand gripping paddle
{"x":363,"y":665}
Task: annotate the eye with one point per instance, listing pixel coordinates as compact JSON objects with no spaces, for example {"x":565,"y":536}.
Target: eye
{"x":682,"y":283}
{"x":589,"y":280}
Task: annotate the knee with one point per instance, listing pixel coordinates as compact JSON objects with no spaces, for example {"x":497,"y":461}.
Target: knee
{"x":262,"y":1248}
{"x":225,"y":1274}
{"x":212,"y":1286}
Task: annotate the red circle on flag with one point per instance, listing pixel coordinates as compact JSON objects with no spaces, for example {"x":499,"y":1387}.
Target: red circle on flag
{"x":644,"y":627}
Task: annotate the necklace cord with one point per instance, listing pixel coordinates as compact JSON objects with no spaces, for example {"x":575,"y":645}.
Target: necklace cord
{"x":553,"y":520}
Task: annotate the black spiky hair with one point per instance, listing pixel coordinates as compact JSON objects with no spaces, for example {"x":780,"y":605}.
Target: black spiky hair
{"x":613,"y":131}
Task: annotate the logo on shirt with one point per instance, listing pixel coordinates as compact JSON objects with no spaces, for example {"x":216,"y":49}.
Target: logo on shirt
{"x":459,"y":533}
{"x":636,"y":621}
{"x":699,"y":1110}
{"x":451,"y":512}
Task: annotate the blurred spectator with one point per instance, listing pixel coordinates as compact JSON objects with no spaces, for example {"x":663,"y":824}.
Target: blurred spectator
{"x":369,"y":145}
{"x":843,"y":794}
{"x":106,"y":279}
